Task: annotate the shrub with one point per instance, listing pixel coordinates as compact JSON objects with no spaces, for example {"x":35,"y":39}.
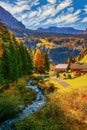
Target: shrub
{"x":51,"y":88}
{"x":5,"y":86}
{"x":27,"y":95}
{"x":57,"y":75}
{"x":8,"y":106}
{"x":69,"y":76}
{"x":64,"y":74}
{"x":34,"y":82}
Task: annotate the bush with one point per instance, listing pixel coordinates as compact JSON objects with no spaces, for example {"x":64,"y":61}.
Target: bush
{"x":5,"y":86}
{"x":57,"y":75}
{"x":64,"y":74}
{"x":34,"y":82}
{"x":69,"y":76}
{"x":27,"y":95}
{"x":51,"y":88}
{"x":8,"y":106}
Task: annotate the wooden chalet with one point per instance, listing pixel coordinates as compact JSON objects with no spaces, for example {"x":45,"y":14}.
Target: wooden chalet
{"x":61,"y":67}
{"x":77,"y":67}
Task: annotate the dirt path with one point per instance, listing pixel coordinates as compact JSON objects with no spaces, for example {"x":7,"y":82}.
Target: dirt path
{"x":64,"y":84}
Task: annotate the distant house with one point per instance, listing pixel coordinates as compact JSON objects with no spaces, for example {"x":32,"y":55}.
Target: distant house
{"x":61,"y":67}
{"x":76,"y":67}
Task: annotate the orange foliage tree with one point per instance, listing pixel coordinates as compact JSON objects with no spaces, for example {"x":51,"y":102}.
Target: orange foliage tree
{"x":39,"y":61}
{"x":1,"y":52}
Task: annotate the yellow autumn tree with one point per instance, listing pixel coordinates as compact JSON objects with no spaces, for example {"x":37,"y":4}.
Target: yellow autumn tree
{"x":39,"y":61}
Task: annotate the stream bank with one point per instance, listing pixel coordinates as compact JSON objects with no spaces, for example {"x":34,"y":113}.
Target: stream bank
{"x":29,"y":109}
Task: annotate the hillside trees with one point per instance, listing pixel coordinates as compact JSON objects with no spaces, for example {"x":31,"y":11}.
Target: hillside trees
{"x":26,"y":59}
{"x":46,"y":62}
{"x":15,"y":59}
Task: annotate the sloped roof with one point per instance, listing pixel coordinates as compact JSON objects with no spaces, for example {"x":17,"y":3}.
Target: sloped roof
{"x":61,"y":66}
{"x":78,"y":66}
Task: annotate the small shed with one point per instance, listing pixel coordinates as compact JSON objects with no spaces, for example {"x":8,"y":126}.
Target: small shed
{"x":61,"y":67}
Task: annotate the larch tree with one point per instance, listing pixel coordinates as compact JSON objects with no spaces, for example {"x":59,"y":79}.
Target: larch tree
{"x":39,"y":61}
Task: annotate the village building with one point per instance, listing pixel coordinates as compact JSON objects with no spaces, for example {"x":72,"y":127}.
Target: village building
{"x":61,"y":67}
{"x":78,"y":69}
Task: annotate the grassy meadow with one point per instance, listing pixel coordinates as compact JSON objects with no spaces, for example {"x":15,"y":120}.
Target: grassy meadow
{"x":77,"y":82}
{"x":84,"y":60}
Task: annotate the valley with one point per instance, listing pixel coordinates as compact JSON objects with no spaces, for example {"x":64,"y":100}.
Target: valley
{"x":43,"y":76}
{"x":56,"y":46}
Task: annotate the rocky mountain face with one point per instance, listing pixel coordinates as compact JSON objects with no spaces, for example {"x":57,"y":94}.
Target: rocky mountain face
{"x":9,"y":20}
{"x":65,"y":30}
{"x":85,"y":32}
{"x":12,"y":23}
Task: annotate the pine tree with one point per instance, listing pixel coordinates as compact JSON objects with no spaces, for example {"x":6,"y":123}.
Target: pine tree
{"x":26,"y":61}
{"x":6,"y":63}
{"x":46,"y":62}
{"x":1,"y":73}
{"x":30,"y":61}
{"x":14,"y":66}
{"x":15,"y":58}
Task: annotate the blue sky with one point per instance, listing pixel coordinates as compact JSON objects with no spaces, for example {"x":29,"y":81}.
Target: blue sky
{"x":45,"y":13}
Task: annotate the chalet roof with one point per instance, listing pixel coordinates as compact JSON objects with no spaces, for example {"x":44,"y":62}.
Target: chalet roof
{"x":78,"y":66}
{"x":61,"y":66}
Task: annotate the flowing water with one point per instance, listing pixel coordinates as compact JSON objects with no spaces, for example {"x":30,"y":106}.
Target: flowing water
{"x":36,"y":105}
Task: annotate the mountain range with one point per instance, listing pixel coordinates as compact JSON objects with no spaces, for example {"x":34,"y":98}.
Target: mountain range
{"x":65,"y":30}
{"x":12,"y":23}
{"x":19,"y":29}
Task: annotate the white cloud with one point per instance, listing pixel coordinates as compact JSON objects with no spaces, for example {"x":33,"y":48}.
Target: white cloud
{"x":64,"y":19}
{"x":71,"y":9}
{"x":14,"y":8}
{"x":52,"y":1}
{"x":45,"y":12}
{"x":64,"y":4}
{"x":85,"y":9}
{"x":51,"y":13}
{"x":84,"y":20}
{"x":19,"y":6}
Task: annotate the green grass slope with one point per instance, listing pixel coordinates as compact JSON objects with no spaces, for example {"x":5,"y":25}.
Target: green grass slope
{"x":84,"y":60}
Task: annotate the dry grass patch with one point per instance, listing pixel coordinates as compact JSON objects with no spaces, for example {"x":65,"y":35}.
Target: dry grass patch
{"x":73,"y":102}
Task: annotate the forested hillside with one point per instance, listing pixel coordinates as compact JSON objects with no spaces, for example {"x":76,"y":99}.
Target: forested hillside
{"x":17,"y":63}
{"x":82,"y":57}
{"x":15,"y":59}
{"x":57,"y":46}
